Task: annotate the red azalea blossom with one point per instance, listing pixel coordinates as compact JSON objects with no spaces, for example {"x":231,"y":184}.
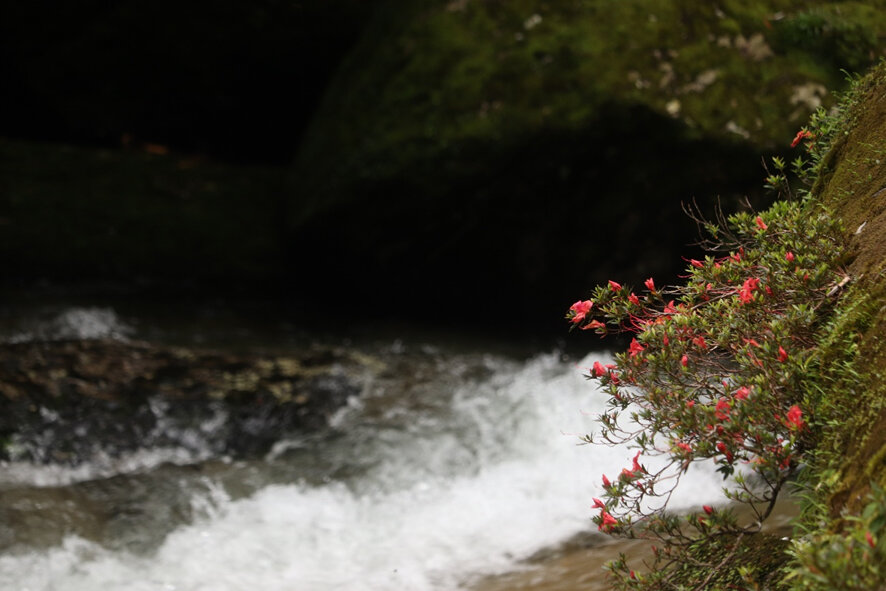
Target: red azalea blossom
{"x":635,"y":348}
{"x":760,"y":223}
{"x":607,"y":521}
{"x":695,"y":263}
{"x":650,"y":284}
{"x":632,"y":575}
{"x":637,"y":467}
{"x":599,"y":370}
{"x":708,"y":509}
{"x":598,"y":504}
{"x":722,"y":410}
{"x":684,"y":446}
{"x":747,"y":290}
{"x":789,"y":257}
{"x":795,"y":418}
{"x":782,"y":354}
{"x":799,"y":137}
{"x":614,"y":286}
{"x":580,"y":310}
{"x":742,"y":393}
{"x":626,"y":474}
{"x":691,"y":403}
{"x":870,"y":539}
{"x":593,"y":324}
{"x":634,"y":299}
{"x":684,"y":361}
{"x":700,"y":342}
{"x":606,"y":483}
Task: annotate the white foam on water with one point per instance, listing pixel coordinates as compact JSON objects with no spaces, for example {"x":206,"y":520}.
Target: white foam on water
{"x":101,"y":465}
{"x":74,"y":323}
{"x":526,"y":485}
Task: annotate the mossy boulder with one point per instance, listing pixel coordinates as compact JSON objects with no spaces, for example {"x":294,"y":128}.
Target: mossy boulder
{"x":853,"y":182}
{"x":535,"y":148}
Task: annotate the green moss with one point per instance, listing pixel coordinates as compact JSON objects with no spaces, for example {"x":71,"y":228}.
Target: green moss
{"x":424,"y":81}
{"x":849,"y":395}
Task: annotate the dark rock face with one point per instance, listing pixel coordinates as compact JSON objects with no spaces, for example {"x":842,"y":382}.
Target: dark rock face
{"x":64,"y":401}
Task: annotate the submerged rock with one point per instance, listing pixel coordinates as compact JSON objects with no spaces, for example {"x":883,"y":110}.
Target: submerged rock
{"x":65,"y":401}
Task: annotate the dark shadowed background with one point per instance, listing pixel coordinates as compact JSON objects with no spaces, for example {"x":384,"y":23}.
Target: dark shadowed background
{"x":471,"y":161}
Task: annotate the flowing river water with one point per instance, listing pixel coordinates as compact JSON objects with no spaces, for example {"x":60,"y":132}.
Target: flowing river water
{"x":455,"y":468}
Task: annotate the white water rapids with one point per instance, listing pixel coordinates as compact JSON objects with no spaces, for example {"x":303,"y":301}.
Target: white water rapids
{"x":453,"y":466}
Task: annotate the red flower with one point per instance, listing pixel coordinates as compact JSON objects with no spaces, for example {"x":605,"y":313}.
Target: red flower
{"x":760,"y":223}
{"x":722,"y":410}
{"x":795,"y":418}
{"x":747,"y":290}
{"x":598,"y":504}
{"x":799,"y":137}
{"x":684,"y":446}
{"x":742,"y":393}
{"x":601,"y":370}
{"x":708,"y":509}
{"x":870,"y":539}
{"x":635,"y":348}
{"x":607,"y":521}
{"x":580,"y":309}
{"x":614,"y":286}
{"x":593,"y":324}
{"x":637,"y":467}
{"x":691,"y":403}
{"x":700,"y":343}
{"x":696,"y":264}
{"x":650,"y":284}
{"x":782,"y":354}
{"x":789,"y":257}
{"x":606,"y":483}
{"x":634,"y":299}
{"x":684,"y":361}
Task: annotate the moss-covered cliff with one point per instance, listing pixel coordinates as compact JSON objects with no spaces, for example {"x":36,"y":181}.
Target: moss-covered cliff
{"x":509,"y":146}
{"x":853,"y":181}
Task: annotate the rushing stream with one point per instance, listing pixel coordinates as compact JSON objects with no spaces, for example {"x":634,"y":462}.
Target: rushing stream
{"x":452,"y":465}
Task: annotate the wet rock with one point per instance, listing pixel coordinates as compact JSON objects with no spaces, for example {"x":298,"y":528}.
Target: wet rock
{"x":65,"y":401}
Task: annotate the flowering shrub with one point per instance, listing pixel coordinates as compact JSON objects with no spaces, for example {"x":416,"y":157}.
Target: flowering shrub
{"x":714,"y":371}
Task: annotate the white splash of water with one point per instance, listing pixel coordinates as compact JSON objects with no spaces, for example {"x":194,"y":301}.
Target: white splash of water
{"x":74,"y":323}
{"x":101,"y":465}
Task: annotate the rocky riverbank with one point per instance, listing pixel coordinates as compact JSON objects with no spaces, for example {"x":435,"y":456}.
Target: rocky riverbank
{"x":65,"y":401}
